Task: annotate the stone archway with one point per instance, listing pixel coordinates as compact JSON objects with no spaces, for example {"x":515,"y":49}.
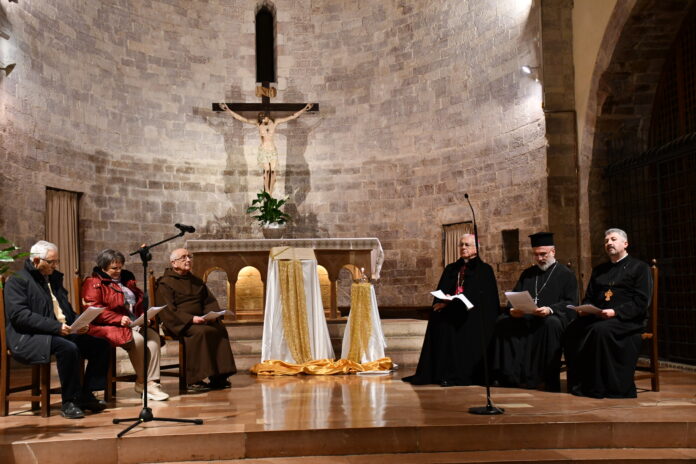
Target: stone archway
{"x":636,"y":43}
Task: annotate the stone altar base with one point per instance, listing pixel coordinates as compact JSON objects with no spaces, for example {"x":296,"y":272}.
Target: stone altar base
{"x":354,"y":419}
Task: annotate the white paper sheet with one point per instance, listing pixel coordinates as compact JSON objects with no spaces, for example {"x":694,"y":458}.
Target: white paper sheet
{"x":522,"y":301}
{"x":151,"y":313}
{"x":212,"y":315}
{"x":85,"y":318}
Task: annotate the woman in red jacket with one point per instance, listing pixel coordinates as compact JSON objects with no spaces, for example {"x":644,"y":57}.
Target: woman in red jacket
{"x":114,"y":288}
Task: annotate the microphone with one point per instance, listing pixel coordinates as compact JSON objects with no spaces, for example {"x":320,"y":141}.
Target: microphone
{"x":476,"y":240}
{"x":184,"y":228}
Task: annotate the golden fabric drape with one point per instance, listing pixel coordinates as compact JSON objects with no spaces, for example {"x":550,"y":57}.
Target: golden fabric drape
{"x":294,"y":303}
{"x":320,"y":367}
{"x":360,"y":320}
{"x":62,"y":229}
{"x":453,"y":233}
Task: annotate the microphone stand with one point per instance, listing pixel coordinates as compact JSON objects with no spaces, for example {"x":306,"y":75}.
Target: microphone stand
{"x":146,"y":413}
{"x":489,"y":409}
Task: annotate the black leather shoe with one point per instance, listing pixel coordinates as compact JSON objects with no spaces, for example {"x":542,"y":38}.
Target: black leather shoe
{"x":446,"y":383}
{"x":90,"y":402}
{"x":70,"y":410}
{"x":219,"y":384}
{"x":198,"y":387}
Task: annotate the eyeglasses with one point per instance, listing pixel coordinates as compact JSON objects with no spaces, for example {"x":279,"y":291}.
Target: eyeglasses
{"x":183,"y":258}
{"x":51,"y":262}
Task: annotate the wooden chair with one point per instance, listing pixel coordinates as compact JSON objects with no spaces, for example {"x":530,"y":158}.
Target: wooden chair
{"x":40,"y":386}
{"x":652,"y":370}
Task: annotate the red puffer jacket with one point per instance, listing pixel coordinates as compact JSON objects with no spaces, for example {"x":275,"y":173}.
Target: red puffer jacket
{"x":100,"y":290}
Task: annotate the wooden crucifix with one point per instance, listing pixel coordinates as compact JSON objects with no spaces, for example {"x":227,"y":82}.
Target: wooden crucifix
{"x":268,"y":153}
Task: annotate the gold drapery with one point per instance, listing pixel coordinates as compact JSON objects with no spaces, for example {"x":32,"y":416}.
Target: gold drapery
{"x":294,"y":307}
{"x":360,"y":320}
{"x":320,"y":367}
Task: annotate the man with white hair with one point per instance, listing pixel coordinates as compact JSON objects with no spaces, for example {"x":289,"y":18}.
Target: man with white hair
{"x":452,"y":352}
{"x":39,"y":316}
{"x":208,"y":351}
{"x":527,"y":347}
{"x":602,"y":349}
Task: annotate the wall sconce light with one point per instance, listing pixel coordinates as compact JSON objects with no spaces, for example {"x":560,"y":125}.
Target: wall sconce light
{"x":8,"y":69}
{"x":532,"y":71}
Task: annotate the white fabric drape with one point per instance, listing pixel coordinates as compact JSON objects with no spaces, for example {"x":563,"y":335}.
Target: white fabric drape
{"x":376,"y":343}
{"x":273,"y":344}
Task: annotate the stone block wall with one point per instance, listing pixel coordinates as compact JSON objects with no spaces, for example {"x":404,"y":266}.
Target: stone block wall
{"x":420,"y":103}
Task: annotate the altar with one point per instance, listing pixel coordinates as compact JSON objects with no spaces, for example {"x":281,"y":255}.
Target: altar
{"x":333,"y":254}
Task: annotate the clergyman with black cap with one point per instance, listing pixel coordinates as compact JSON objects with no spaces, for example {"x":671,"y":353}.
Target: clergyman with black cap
{"x":527,"y":347}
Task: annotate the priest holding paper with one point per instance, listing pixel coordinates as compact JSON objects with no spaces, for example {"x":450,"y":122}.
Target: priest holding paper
{"x":452,"y":352}
{"x":602,"y":349}
{"x":528,"y":337}
{"x":188,"y":300}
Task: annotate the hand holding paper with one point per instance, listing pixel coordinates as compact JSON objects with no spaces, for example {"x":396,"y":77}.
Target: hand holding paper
{"x":441,"y":295}
{"x":151,"y":313}
{"x":212,"y":315}
{"x":85,"y":318}
{"x":522,"y":301}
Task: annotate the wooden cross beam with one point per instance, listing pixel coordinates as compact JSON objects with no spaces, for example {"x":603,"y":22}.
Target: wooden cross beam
{"x":266,"y":106}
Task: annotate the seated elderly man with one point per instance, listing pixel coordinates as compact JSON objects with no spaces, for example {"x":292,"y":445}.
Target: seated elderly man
{"x":208,"y":352}
{"x":527,"y":347}
{"x":38,"y":326}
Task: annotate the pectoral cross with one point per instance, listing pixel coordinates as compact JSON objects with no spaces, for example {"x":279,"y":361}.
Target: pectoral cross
{"x":608,"y":294}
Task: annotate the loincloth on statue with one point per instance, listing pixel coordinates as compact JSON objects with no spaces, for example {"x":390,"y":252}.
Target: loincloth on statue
{"x":267,"y":156}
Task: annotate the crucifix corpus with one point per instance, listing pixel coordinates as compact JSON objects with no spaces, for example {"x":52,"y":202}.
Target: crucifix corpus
{"x":268,"y":153}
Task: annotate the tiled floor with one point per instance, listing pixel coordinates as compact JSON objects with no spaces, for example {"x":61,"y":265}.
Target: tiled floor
{"x":356,"y":415}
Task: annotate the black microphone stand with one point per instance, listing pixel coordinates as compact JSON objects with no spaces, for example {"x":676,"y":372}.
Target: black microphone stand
{"x":146,"y":413}
{"x":489,"y":409}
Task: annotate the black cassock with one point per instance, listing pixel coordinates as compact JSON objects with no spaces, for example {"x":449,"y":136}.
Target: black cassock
{"x":454,"y":339}
{"x":602,"y":353}
{"x":527,"y":350}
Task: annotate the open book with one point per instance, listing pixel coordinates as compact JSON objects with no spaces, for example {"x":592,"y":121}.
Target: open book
{"x":441,"y":295}
{"x":151,"y":313}
{"x":85,"y":318}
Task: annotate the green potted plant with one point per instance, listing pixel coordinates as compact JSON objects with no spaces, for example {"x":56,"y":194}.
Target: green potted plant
{"x":8,"y":254}
{"x":266,"y":211}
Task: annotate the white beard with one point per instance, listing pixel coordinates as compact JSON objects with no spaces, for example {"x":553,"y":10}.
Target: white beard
{"x":549,"y":262}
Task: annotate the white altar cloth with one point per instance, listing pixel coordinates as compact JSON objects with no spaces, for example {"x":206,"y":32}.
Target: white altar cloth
{"x":273,"y":343}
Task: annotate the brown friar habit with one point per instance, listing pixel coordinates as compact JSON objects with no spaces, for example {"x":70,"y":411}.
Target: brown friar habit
{"x":208,"y":351}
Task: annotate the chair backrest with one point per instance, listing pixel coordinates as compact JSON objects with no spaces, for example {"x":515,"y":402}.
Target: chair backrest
{"x":654,"y":302}
{"x":77,"y":292}
{"x":3,"y":331}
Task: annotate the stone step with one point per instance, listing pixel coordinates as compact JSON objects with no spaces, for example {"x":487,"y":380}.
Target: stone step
{"x":577,"y":456}
{"x":404,"y":340}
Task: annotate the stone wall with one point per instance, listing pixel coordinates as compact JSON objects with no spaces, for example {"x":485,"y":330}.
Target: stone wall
{"x":420,"y":102}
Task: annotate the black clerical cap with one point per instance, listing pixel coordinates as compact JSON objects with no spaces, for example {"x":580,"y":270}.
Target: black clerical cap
{"x":541,"y":239}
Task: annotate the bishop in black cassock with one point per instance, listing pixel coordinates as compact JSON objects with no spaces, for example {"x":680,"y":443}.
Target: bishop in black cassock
{"x":455,"y":338}
{"x":602,"y":350}
{"x":527,"y":347}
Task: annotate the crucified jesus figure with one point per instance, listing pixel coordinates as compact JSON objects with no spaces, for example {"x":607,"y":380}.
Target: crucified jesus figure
{"x":268,"y":154}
